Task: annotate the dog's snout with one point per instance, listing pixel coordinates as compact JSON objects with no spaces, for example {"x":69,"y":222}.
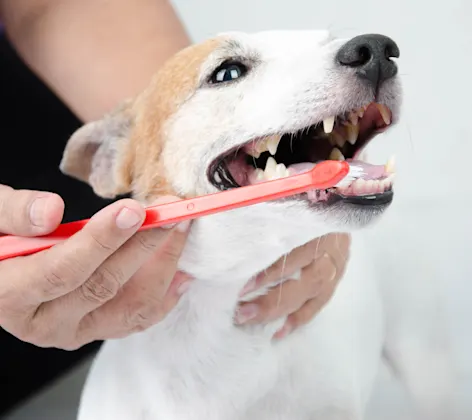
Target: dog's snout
{"x":371,"y":56}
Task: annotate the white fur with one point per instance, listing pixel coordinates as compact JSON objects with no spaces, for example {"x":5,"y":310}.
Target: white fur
{"x":196,"y":365}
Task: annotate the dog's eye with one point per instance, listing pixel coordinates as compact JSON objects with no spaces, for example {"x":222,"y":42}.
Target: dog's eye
{"x":228,"y":72}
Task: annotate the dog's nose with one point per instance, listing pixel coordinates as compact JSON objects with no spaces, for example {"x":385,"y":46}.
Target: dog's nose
{"x":371,"y":56}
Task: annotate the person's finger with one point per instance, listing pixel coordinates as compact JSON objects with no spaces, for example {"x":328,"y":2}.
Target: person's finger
{"x":57,"y":271}
{"x":289,"y":296}
{"x":146,"y":298}
{"x":29,"y":213}
{"x":307,"y":311}
{"x":286,"y":266}
{"x":109,"y":277}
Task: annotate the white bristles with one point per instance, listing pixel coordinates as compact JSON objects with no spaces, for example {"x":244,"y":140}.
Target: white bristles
{"x":355,"y":172}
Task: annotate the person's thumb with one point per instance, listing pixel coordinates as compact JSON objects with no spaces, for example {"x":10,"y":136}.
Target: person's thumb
{"x":29,"y":213}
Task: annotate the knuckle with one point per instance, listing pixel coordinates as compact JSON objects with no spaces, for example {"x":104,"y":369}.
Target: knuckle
{"x":102,"y":286}
{"x":59,"y":271}
{"x":101,"y":243}
{"x":171,"y":252}
{"x":146,"y":241}
{"x":39,"y":335}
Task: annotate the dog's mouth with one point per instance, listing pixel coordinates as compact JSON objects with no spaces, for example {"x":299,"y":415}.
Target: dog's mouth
{"x":342,"y":137}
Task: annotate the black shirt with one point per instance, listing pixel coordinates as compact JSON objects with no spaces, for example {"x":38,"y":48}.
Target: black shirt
{"x":34,"y":128}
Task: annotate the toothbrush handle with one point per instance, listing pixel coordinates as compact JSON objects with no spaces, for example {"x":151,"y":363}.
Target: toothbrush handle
{"x":324,"y":175}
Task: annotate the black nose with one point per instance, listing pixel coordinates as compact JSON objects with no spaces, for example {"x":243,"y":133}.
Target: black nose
{"x":371,"y":56}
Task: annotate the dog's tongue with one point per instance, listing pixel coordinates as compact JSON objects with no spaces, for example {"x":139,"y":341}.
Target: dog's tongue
{"x":370,"y":171}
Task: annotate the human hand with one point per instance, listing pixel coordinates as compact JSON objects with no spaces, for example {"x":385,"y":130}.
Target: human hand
{"x":106,"y":281}
{"x":322,"y":263}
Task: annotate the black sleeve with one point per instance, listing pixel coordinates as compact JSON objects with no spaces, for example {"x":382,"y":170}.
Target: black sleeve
{"x":34,"y":127}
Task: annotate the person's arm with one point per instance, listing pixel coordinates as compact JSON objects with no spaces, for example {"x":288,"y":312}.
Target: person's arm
{"x":94,"y":53}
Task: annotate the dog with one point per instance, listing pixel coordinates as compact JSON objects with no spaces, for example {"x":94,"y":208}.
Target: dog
{"x":236,"y":110}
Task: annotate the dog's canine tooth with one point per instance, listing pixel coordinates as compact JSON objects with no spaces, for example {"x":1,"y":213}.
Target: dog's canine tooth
{"x":390,"y":165}
{"x":328,"y":125}
{"x":384,"y":113}
{"x":352,"y":133}
{"x":272,"y":143}
{"x":336,"y":154}
{"x":261,"y":145}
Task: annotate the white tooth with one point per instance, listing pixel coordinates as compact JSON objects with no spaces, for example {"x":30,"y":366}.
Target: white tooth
{"x":270,"y":168}
{"x":352,"y":133}
{"x":360,"y":112}
{"x":359,"y":186}
{"x":338,"y":139}
{"x":328,"y":124}
{"x":281,"y":171}
{"x":353,"y":118}
{"x":272,"y":144}
{"x":259,"y":174}
{"x":261,"y":146}
{"x":384,"y":112}
{"x":369,"y":186}
{"x":390,"y":166}
{"x":336,"y":154}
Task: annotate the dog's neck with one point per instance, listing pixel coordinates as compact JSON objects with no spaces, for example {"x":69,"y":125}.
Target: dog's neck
{"x":231,"y":247}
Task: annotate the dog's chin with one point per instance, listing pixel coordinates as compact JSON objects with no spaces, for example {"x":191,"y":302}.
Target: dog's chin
{"x":349,"y":215}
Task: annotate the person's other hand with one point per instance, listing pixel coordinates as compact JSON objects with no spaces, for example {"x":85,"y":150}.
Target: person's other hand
{"x":322,"y":263}
{"x":106,"y":281}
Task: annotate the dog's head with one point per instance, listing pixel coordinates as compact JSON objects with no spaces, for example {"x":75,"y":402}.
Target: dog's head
{"x":242,"y":108}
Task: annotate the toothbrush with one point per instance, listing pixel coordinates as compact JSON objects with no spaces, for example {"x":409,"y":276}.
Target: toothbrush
{"x":324,"y":175}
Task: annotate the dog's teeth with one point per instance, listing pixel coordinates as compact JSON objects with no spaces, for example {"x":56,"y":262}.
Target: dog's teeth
{"x":390,"y":166}
{"x":261,"y":145}
{"x":384,"y":112}
{"x":336,"y":154}
{"x":328,"y":125}
{"x":272,"y":144}
{"x":281,"y":171}
{"x":270,"y":169}
{"x":352,"y":133}
{"x":359,"y":186}
{"x":361,"y":112}
{"x":259,"y":174}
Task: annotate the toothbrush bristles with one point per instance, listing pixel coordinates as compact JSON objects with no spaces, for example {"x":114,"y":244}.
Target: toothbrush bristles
{"x":355,"y":172}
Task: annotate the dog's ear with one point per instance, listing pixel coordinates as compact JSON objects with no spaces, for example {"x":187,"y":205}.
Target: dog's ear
{"x":94,"y":153}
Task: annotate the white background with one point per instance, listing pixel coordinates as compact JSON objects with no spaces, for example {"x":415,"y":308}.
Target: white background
{"x":433,"y":144}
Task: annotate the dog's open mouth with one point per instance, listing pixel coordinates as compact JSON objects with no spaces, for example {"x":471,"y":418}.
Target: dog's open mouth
{"x":338,"y":138}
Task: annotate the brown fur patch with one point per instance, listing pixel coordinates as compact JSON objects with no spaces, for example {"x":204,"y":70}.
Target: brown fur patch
{"x":170,"y":87}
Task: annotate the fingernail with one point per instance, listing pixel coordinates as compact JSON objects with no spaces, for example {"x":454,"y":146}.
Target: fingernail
{"x":246,"y":312}
{"x":183,"y":287}
{"x":251,"y":285}
{"x":37,"y":211}
{"x":183,"y":226}
{"x":169,"y":226}
{"x":283,"y":332}
{"x":127,"y":218}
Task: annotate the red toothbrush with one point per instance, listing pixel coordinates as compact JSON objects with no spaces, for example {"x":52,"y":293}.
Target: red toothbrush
{"x":324,"y":175}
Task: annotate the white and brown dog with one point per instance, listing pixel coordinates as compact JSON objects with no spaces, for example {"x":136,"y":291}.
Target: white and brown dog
{"x":232,"y":111}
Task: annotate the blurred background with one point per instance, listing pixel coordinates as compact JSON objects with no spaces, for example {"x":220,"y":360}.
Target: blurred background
{"x":428,"y":229}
